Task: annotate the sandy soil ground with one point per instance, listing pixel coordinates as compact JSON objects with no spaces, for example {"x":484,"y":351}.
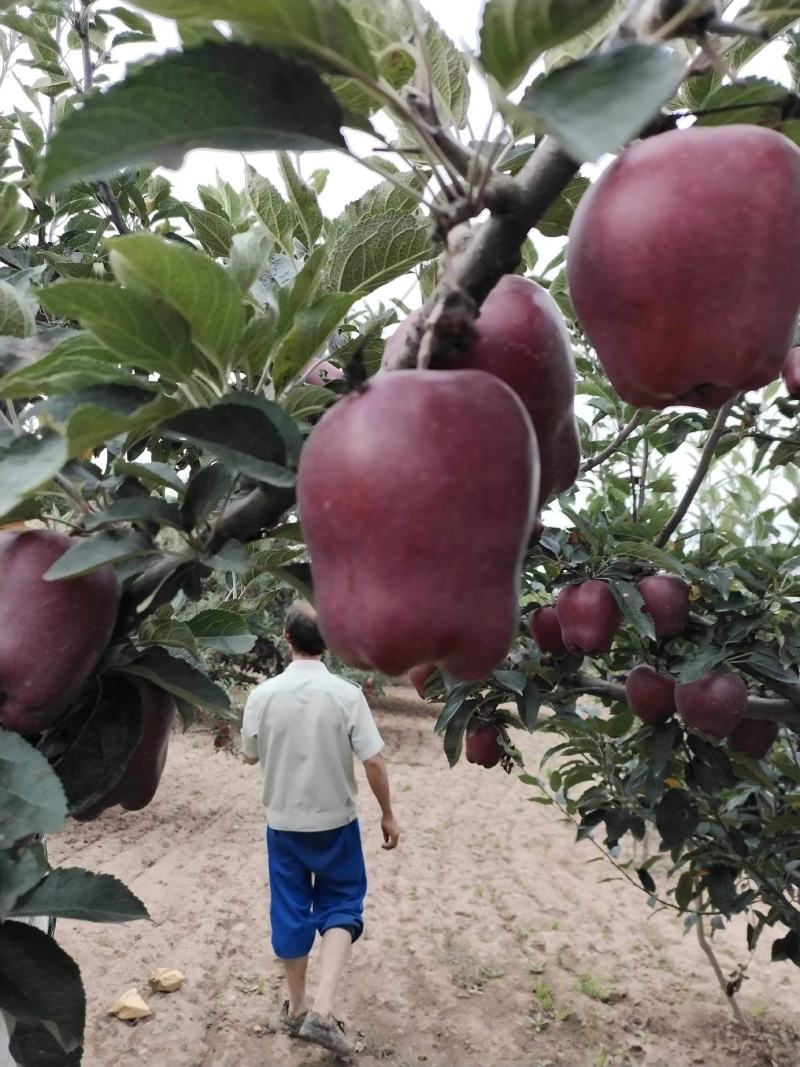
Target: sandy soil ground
{"x":492,"y":938}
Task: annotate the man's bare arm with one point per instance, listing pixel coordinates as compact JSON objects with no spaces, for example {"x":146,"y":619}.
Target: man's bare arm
{"x":378,"y":778}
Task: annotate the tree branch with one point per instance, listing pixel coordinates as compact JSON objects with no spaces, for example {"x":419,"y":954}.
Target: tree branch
{"x":706,"y":459}
{"x":611,"y":448}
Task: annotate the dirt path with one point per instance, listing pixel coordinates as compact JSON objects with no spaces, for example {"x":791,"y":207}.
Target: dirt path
{"x":491,"y":938}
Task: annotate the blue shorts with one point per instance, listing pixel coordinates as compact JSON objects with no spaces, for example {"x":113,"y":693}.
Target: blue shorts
{"x":317,"y":881}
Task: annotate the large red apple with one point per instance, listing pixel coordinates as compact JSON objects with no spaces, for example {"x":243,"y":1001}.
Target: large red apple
{"x":418,"y":676}
{"x":650,"y":694}
{"x":522,"y":339}
{"x":712,"y":705}
{"x":483,"y":746}
{"x":416,"y":495}
{"x":682,"y":264}
{"x":545,"y":629}
{"x":754,"y":737}
{"x":666,"y":599}
{"x":791,"y":372}
{"x":589,"y":616}
{"x":52,"y":634}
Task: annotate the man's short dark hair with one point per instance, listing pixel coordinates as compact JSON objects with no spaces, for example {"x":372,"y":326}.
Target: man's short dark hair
{"x":302,"y":630}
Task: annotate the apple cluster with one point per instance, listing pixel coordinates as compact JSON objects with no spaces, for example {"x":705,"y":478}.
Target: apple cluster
{"x":53,"y":635}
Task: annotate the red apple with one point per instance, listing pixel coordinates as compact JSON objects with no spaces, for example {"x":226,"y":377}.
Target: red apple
{"x":323,"y":373}
{"x":682,"y":264}
{"x":713,"y":705}
{"x":536,"y":533}
{"x":650,"y":694}
{"x":483,"y":746}
{"x":666,"y":599}
{"x":754,"y":737}
{"x":416,"y":495}
{"x":545,"y":629}
{"x":52,"y":633}
{"x":791,"y":372}
{"x":522,"y":339}
{"x":589,"y":616}
{"x":418,"y":676}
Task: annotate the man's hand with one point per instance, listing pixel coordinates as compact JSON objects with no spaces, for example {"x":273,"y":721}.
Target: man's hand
{"x":391,"y":832}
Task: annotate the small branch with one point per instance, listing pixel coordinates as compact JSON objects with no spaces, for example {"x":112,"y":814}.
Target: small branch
{"x":706,"y":459}
{"x":643,"y":476}
{"x":723,"y":982}
{"x":611,"y":448}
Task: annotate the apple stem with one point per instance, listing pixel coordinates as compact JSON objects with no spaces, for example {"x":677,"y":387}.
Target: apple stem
{"x":712,"y":959}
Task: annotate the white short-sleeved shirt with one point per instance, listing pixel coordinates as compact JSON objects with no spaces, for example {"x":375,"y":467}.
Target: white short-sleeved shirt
{"x":304,"y":727}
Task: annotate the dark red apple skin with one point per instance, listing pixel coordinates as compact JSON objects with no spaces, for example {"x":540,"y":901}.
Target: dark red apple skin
{"x":791,"y":372}
{"x":141,"y":778}
{"x":754,"y":737}
{"x":712,"y":705}
{"x":52,"y":634}
{"x":545,"y":629}
{"x":536,"y":533}
{"x":323,"y":373}
{"x":483,"y":746}
{"x":417,"y":495}
{"x":682,"y":264}
{"x":650,"y":694}
{"x":589,"y":616}
{"x":418,"y":676}
{"x":666,"y":599}
{"x":522,"y":340}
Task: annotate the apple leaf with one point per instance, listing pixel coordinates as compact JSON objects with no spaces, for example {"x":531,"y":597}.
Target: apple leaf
{"x":597,"y":104}
{"x":215,"y":96}
{"x":677,"y":816}
{"x":223,"y":630}
{"x":179,"y":678}
{"x":26,"y":464}
{"x":32,"y":799}
{"x":90,"y":553}
{"x":72,"y":893}
{"x":455,"y":730}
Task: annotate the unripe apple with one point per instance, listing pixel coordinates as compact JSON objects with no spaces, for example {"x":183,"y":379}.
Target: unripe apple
{"x":754,"y":737}
{"x":545,"y":629}
{"x":712,"y":705}
{"x":650,"y":694}
{"x":589,"y":616}
{"x":416,"y":495}
{"x":666,"y":599}
{"x":523,"y":340}
{"x":791,"y":372}
{"x":52,"y":633}
{"x":682,"y":264}
{"x":323,"y":373}
{"x":483,"y":746}
{"x":418,"y":676}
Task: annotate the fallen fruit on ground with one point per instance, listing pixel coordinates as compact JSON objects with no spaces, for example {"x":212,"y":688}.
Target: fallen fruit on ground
{"x":523,"y":340}
{"x":650,"y":694}
{"x":52,"y":633}
{"x":712,"y":705}
{"x":589,"y":616}
{"x":682,"y":264}
{"x":791,"y":372}
{"x":416,"y":495}
{"x":483,"y":745}
{"x":545,"y":629}
{"x":754,"y":737}
{"x":666,"y":599}
{"x":418,"y":676}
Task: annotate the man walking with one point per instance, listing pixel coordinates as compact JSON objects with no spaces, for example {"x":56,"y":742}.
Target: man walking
{"x":303,"y":727}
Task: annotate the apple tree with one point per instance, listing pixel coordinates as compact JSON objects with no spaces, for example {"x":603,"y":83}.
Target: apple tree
{"x":163,"y":364}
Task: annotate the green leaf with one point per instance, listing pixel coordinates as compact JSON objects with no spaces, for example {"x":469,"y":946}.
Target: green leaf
{"x":249,"y":253}
{"x":169,"y":632}
{"x":513,"y":680}
{"x":273,"y":211}
{"x":514,"y":33}
{"x":72,"y":893}
{"x":39,"y":983}
{"x":222,"y":630}
{"x":630,"y":603}
{"x":306,"y":400}
{"x":215,"y":96}
{"x":249,"y":434}
{"x":529,"y":704}
{"x":17,"y":314}
{"x":19,"y":872}
{"x":304,"y":199}
{"x":132,"y":19}
{"x":787,"y":948}
{"x":73,"y":364}
{"x":213,"y":232}
{"x":200,"y":290}
{"x":138,"y":329}
{"x":154,"y":475}
{"x":721,"y":888}
{"x":455,"y":699}
{"x":179,"y":678}
{"x":597,"y":104}
{"x":646,"y":879}
{"x":205,"y":492}
{"x":141,"y":509}
{"x":33,"y":1044}
{"x":555,"y":221}
{"x":320,"y":29}
{"x":449,"y":69}
{"x":677,"y":817}
{"x":26,"y":464}
{"x":90,"y":553}
{"x":767,"y":98}
{"x":13,"y":215}
{"x":455,"y":730}
{"x":312,"y":328}
{"x":32,"y":799}
{"x":383,"y":27}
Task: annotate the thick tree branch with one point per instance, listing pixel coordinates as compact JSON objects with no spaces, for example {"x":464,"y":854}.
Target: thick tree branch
{"x":614,"y":445}
{"x":706,"y":459}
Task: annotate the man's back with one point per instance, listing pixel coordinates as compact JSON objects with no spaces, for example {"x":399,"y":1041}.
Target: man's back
{"x":305,"y":725}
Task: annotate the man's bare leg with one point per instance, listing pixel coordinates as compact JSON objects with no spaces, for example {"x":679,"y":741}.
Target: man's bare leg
{"x":336,"y":945}
{"x":296,"y":980}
